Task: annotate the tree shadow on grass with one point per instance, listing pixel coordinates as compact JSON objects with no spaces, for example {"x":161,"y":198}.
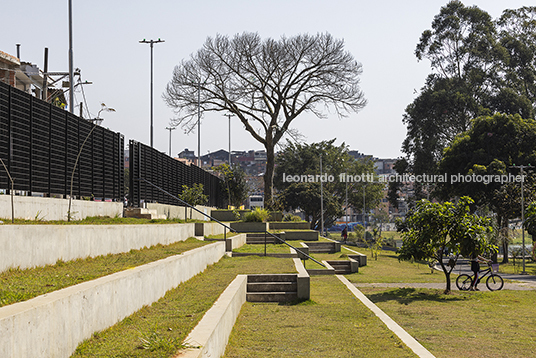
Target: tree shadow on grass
{"x":410,"y":295}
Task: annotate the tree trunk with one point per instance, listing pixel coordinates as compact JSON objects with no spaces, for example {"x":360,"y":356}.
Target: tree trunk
{"x":269,"y":176}
{"x":504,"y":230}
{"x":447,"y":278}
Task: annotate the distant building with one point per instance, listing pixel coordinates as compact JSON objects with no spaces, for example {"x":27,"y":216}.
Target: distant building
{"x":188,"y":154}
{"x":27,"y":77}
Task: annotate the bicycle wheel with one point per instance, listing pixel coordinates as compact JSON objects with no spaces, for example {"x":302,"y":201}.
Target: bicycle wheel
{"x":494,"y":282}
{"x":464,"y":282}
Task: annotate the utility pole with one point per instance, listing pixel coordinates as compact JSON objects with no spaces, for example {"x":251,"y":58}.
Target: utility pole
{"x":522,"y":167}
{"x":170,"y":129}
{"x":151,"y":42}
{"x":229,"y":115}
{"x":199,"y":124}
{"x":321,"y":200}
{"x":71,"y":75}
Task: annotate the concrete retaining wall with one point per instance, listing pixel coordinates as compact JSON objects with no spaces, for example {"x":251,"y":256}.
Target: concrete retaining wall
{"x":54,"y":324}
{"x":27,"y":246}
{"x":212,"y":333}
{"x":290,"y":225}
{"x":234,"y":242}
{"x":207,"y":229}
{"x":180,"y":212}
{"x":31,"y":208}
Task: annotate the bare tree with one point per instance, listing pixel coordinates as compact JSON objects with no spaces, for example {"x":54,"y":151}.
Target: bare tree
{"x":266,"y":84}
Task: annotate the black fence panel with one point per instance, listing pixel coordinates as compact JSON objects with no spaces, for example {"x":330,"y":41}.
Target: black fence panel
{"x":40,"y":143}
{"x":4,"y":134}
{"x":168,"y":174}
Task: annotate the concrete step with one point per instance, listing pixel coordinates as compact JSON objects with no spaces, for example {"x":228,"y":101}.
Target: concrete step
{"x":260,"y":234}
{"x":341,"y":266}
{"x":323,"y":247}
{"x":272,"y":287}
{"x":255,"y":241}
{"x":272,"y":296}
{"x":289,"y":277}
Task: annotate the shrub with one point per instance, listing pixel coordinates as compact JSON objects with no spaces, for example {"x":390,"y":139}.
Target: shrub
{"x":291,"y":217}
{"x":257,"y":215}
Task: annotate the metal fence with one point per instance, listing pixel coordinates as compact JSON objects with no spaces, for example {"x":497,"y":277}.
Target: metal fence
{"x":168,"y":174}
{"x":39,"y":144}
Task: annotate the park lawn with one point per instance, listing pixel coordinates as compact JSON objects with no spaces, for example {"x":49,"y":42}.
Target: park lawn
{"x":333,"y":323}
{"x":517,"y":268}
{"x":388,"y":269}
{"x":18,"y":285}
{"x":463,"y":324}
{"x":165,"y":324}
{"x":221,"y":236}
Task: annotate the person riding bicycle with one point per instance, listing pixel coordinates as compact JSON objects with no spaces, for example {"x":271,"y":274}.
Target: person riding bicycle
{"x":476,"y":260}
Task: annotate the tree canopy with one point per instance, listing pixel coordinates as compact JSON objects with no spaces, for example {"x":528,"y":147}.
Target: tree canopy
{"x":486,"y":155}
{"x":303,"y":161}
{"x":479,"y":67}
{"x":266,"y":84}
{"x":234,"y":183}
{"x":433,"y":228}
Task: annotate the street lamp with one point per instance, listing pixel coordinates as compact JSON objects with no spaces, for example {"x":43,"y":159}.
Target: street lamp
{"x":229,"y":115}
{"x":151,"y":42}
{"x":170,"y":129}
{"x":97,"y":120}
{"x":522,"y":167}
{"x":364,"y":216}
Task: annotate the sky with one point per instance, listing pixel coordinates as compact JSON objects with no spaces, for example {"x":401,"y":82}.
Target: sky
{"x":381,"y":35}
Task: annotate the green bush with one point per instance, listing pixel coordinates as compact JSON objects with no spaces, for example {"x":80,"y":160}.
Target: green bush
{"x":291,"y":217}
{"x":257,"y":215}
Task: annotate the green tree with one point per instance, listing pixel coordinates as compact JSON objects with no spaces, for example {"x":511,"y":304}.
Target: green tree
{"x":304,"y":160}
{"x":463,"y":53}
{"x":517,"y":35}
{"x":267,"y":84}
{"x":486,"y":153}
{"x":193,"y":195}
{"x":234,"y":184}
{"x":433,"y":228}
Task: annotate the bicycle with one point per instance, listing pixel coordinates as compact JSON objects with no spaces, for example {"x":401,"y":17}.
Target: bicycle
{"x":494,"y":282}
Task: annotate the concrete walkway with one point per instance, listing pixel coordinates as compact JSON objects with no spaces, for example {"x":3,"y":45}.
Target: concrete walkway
{"x":519,"y":286}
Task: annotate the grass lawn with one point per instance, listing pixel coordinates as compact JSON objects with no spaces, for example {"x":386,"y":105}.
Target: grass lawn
{"x":221,"y":236}
{"x":530,"y":267}
{"x":387,"y":268}
{"x":165,"y":324}
{"x":464,"y":324}
{"x":332,"y":324}
{"x":19,"y":285}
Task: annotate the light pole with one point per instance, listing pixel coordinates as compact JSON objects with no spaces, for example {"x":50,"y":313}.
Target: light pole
{"x":229,"y":115}
{"x":151,"y":42}
{"x":71,"y":89}
{"x":321,"y":199}
{"x":199,"y":124}
{"x":522,"y":167}
{"x":170,"y":129}
{"x":97,"y":120}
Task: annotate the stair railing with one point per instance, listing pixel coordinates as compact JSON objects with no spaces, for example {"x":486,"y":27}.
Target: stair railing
{"x":228,"y":227}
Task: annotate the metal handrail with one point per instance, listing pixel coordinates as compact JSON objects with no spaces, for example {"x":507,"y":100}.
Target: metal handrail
{"x":228,"y":227}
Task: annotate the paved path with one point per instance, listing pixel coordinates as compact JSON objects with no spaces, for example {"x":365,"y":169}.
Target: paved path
{"x":482,"y":286}
{"x":518,"y":282}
